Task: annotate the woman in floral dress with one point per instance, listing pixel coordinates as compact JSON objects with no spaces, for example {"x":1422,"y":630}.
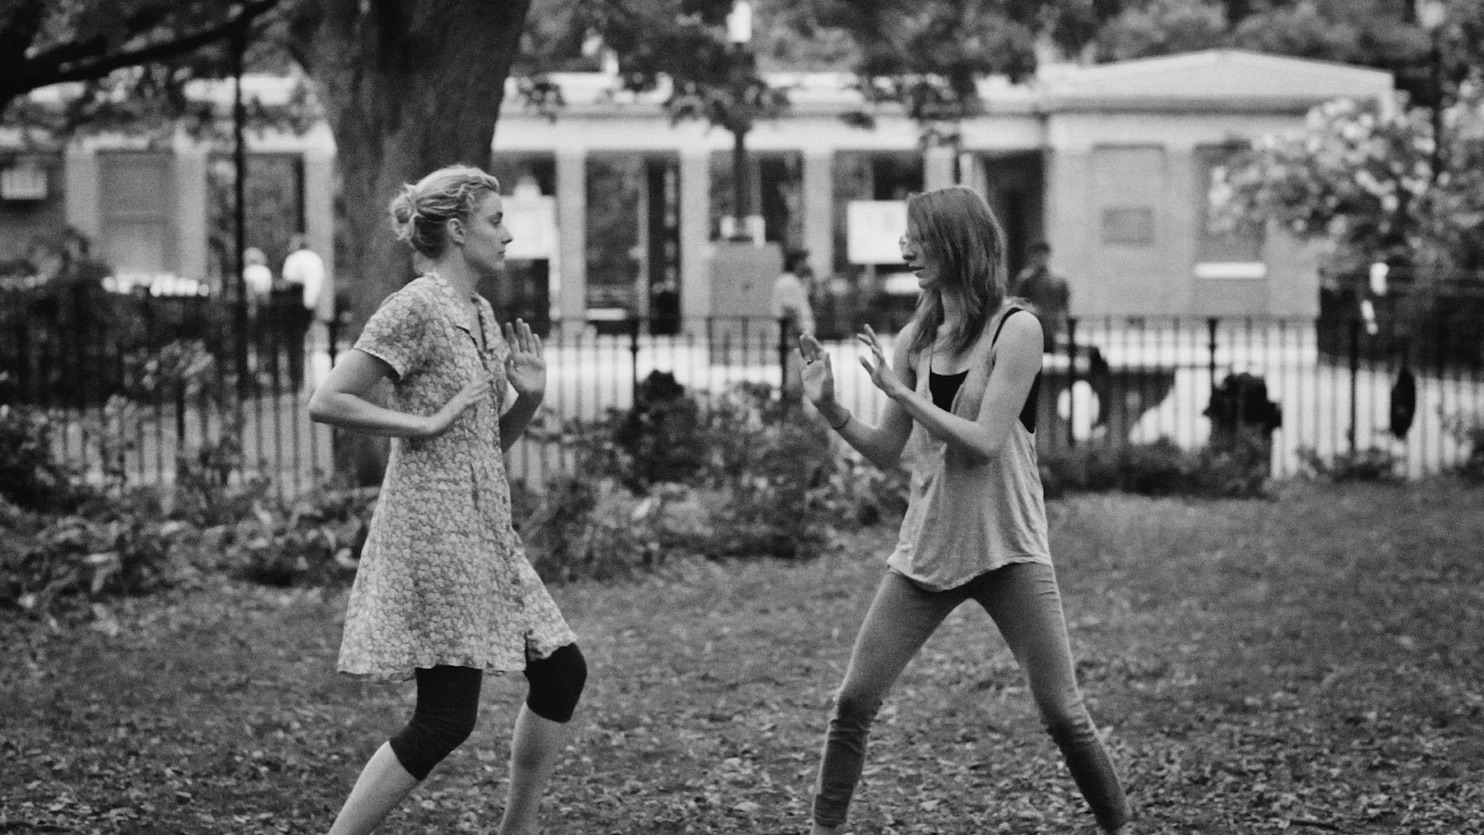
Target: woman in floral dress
{"x":444,"y":592}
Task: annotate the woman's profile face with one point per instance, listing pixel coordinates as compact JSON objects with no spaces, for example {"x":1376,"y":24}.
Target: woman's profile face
{"x":920,"y":259}
{"x":485,"y":235}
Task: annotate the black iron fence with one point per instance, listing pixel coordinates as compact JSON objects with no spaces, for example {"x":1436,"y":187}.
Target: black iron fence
{"x":159,"y":377}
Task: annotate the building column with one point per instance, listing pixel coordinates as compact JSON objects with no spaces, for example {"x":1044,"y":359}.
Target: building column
{"x":1071,"y":225}
{"x":973,"y":173}
{"x":937,"y":168}
{"x":191,"y":211}
{"x":319,"y":218}
{"x":571,"y":207}
{"x":819,"y":210}
{"x":1182,"y":220}
{"x":80,"y":194}
{"x":695,"y":236}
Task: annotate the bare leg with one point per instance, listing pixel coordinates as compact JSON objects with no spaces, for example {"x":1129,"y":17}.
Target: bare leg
{"x":382,"y":785}
{"x":534,"y":747}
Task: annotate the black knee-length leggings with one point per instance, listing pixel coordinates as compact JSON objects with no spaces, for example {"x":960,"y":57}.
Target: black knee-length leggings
{"x":448,"y":705}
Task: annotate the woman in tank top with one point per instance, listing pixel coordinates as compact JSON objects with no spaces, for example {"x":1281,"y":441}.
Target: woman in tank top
{"x":962,"y":387}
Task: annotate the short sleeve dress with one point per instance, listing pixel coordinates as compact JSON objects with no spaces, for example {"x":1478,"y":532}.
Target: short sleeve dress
{"x":443,"y":577}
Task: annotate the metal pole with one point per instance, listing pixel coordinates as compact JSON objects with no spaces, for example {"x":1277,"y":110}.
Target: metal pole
{"x":634,"y":359}
{"x":1354,"y":381}
{"x":1211,"y":325}
{"x":1072,"y":382}
{"x":239,"y":220}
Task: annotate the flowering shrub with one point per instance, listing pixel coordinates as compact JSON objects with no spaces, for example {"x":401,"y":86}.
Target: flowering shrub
{"x":1360,"y":173}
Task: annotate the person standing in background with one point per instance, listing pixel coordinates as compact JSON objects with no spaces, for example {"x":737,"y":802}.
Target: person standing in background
{"x":256,"y":276}
{"x":790,"y":307}
{"x":304,"y":276}
{"x":1046,"y":291}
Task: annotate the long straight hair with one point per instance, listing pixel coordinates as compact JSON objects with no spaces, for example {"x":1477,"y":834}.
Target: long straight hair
{"x":959,"y":230}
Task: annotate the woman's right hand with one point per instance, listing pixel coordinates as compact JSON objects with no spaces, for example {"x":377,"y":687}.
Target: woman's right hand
{"x":818,"y":374}
{"x":474,"y":392}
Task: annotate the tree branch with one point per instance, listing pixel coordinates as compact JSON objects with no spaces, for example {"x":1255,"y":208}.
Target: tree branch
{"x":106,"y":64}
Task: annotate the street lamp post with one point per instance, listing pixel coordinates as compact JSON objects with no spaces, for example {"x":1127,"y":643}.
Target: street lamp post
{"x":1431,"y":14}
{"x":739,"y":39}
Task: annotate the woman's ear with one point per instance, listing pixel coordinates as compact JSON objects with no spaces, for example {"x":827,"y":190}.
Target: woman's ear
{"x":454,"y":229}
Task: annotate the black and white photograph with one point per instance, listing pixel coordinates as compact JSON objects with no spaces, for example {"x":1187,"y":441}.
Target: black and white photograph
{"x":802,"y":417}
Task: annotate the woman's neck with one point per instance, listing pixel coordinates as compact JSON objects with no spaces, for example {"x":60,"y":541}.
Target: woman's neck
{"x":953,"y":313}
{"x":458,"y":274}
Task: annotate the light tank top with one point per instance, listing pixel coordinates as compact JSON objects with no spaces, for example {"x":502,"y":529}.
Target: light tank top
{"x":965,"y":516}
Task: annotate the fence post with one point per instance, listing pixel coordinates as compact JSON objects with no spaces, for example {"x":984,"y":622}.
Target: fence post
{"x":1071,"y":381}
{"x":1354,"y":380}
{"x":785,"y":388}
{"x":634,"y":359}
{"x":1211,"y":326}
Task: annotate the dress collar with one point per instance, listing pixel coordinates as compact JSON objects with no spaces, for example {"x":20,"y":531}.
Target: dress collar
{"x":447,"y":286}
{"x":455,"y":309}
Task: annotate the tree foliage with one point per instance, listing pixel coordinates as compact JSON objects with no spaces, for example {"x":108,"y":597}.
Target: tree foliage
{"x":129,"y":63}
{"x":1360,"y":175}
{"x":1376,"y":33}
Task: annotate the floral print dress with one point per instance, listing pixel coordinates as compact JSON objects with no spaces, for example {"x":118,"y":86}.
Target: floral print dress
{"x":443,"y":577}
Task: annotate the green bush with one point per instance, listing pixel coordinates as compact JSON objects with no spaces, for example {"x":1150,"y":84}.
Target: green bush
{"x":314,"y":540}
{"x":1233,"y":467}
{"x":1370,"y":464}
{"x":741,"y":473}
{"x":598,"y":529}
{"x":125,"y":549}
{"x":1469,"y":431}
{"x":30,"y":475}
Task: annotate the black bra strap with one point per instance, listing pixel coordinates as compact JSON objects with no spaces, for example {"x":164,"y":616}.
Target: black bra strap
{"x":1011,"y":312}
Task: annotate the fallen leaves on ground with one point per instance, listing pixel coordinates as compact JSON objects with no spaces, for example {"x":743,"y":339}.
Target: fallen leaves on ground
{"x":1303,"y":665}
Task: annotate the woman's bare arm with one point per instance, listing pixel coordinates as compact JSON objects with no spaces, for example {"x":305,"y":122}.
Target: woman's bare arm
{"x":341,"y":401}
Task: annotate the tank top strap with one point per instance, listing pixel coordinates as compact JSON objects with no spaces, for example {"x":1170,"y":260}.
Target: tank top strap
{"x":1011,"y":312}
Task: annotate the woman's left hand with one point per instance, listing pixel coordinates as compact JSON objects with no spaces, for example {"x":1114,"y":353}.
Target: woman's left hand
{"x":881,"y":374}
{"x":526,"y":365}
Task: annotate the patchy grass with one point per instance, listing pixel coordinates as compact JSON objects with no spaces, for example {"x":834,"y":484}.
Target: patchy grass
{"x":1308,"y":664}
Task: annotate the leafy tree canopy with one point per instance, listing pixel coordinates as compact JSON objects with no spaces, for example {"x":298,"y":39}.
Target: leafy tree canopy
{"x":1361,"y":176}
{"x":129,"y":63}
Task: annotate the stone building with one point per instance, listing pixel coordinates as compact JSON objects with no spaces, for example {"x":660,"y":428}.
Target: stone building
{"x":1109,"y":164}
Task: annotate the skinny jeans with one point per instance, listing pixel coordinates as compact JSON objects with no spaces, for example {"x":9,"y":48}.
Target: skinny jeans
{"x":1025,"y":604}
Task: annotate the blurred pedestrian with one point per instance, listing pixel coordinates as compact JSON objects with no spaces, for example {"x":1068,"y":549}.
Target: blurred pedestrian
{"x":792,"y":311}
{"x":1046,"y":292}
{"x":303,"y":278}
{"x":257,"y":278}
{"x":962,"y":389}
{"x":444,"y":592}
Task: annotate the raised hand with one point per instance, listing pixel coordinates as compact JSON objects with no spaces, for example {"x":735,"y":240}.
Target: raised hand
{"x":526,"y":365}
{"x":473,"y":392}
{"x":818,"y":374}
{"x":881,"y":374}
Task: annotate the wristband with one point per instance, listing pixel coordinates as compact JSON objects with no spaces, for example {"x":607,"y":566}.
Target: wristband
{"x":841,"y":425}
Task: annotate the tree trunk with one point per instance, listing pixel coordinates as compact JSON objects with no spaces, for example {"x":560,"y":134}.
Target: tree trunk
{"x":407,"y":87}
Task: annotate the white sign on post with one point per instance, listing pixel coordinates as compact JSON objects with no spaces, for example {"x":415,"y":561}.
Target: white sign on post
{"x":872,"y":230}
{"x":532,"y":224}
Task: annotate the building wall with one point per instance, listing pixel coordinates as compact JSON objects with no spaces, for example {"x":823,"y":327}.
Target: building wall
{"x":22,"y":221}
{"x":1115,"y":183}
{"x":1125,"y":217}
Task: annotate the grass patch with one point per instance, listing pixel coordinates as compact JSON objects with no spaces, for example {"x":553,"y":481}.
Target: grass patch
{"x":1306,"y":664}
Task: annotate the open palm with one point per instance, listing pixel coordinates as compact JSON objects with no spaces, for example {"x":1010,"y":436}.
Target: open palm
{"x":526,"y":365}
{"x":818,"y":374}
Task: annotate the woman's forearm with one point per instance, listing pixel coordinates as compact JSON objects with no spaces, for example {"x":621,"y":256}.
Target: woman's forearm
{"x":347,"y":411}
{"x":514,"y":422}
{"x":968,"y":435}
{"x":864,"y":438}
